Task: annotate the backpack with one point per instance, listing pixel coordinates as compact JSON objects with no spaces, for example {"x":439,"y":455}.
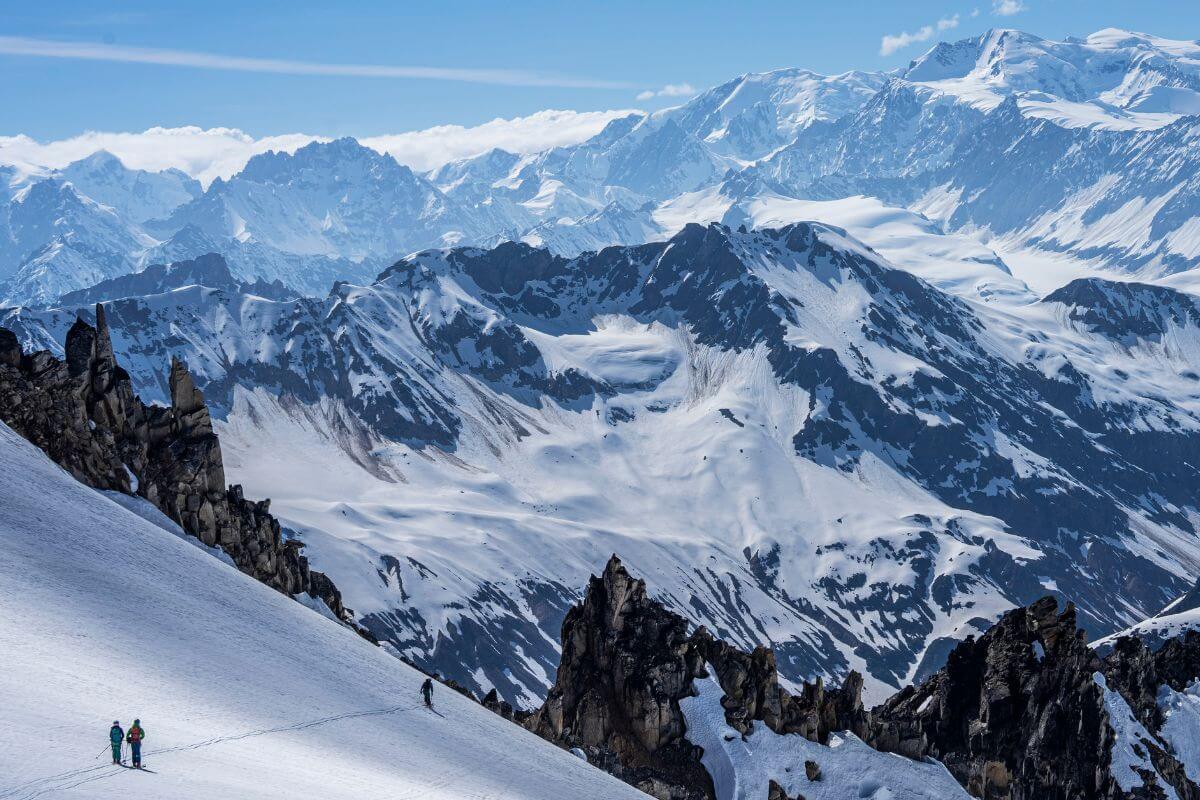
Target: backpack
{"x":136,"y":734}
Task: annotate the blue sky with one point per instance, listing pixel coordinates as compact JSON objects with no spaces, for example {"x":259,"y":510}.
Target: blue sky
{"x":576,"y":55}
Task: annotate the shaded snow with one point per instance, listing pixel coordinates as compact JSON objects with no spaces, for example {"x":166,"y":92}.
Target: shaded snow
{"x":1181,"y":725}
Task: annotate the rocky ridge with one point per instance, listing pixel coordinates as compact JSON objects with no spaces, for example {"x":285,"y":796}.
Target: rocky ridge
{"x":83,"y":412}
{"x":626,"y":664}
{"x":1019,"y":713}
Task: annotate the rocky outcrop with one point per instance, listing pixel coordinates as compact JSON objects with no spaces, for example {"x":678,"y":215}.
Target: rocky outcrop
{"x":776,"y":792}
{"x":1138,"y":672}
{"x":82,"y":411}
{"x":626,"y":664}
{"x":1017,"y":714}
{"x":752,"y":692}
{"x":497,"y":705}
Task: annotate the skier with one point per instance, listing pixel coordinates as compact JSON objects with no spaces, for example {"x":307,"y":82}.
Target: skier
{"x":115,"y":737}
{"x":427,"y":691}
{"x":134,"y":737}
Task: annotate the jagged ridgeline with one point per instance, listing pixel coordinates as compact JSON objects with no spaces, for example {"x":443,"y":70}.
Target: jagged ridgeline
{"x":1027,"y":711}
{"x":83,"y":412}
{"x":863,"y":468}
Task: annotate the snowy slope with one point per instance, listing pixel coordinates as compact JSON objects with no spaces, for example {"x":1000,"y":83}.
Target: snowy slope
{"x":1112,"y":79}
{"x":1179,"y":616}
{"x":53,"y":239}
{"x":135,"y":194}
{"x":243,"y":692}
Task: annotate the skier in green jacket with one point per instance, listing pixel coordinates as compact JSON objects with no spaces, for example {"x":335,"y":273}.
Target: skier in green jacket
{"x":135,"y":736}
{"x":115,"y":737}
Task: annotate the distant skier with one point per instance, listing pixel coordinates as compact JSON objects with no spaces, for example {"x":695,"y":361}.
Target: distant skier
{"x":427,"y":692}
{"x":115,"y":737}
{"x":135,"y":737}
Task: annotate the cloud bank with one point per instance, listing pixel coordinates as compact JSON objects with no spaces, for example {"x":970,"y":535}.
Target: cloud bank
{"x":208,"y":153}
{"x":892,"y":42}
{"x":432,"y":147}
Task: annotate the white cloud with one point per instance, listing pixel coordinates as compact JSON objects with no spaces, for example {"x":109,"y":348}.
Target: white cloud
{"x":1006,"y":8}
{"x":90,"y":51}
{"x":432,"y":147}
{"x":670,"y":90}
{"x":890,"y":43}
{"x":221,"y":152}
{"x":201,"y":153}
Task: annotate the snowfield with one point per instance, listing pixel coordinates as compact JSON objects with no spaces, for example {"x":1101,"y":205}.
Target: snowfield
{"x":243,"y":693}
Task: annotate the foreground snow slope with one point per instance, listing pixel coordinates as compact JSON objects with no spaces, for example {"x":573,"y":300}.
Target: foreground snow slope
{"x":244,"y":693}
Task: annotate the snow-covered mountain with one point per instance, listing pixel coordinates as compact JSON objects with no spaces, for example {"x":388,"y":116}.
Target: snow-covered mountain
{"x":242,"y":692}
{"x":337,"y":200}
{"x":135,"y":194}
{"x":1113,"y":78}
{"x":869,"y":429}
{"x":54,"y":240}
{"x":1082,"y":147}
{"x":802,"y":444}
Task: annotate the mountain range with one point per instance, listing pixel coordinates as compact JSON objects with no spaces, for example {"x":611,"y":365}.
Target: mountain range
{"x":846,"y":365}
{"x":802,"y":443}
{"x":1083,"y":147}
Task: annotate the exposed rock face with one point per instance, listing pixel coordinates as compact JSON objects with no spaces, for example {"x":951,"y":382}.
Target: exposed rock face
{"x":208,"y":270}
{"x":1016,"y":714}
{"x":1005,"y":722}
{"x":626,"y":664}
{"x":84,"y":414}
{"x":752,"y":692}
{"x":1137,"y":672}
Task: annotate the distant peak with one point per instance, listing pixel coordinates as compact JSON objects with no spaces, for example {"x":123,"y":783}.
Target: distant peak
{"x":100,"y":158}
{"x":274,"y":163}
